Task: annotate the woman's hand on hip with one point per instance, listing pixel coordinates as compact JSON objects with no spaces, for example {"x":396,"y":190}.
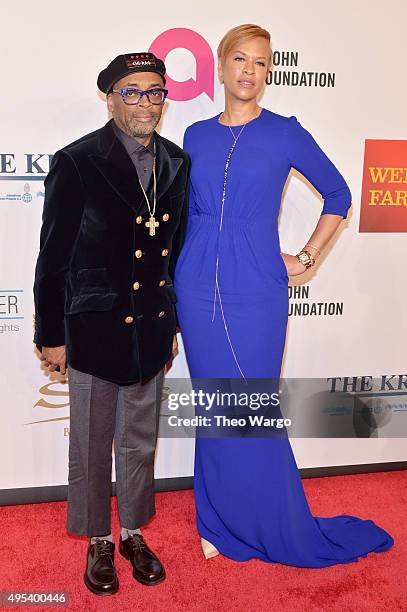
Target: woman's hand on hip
{"x":294,"y":267}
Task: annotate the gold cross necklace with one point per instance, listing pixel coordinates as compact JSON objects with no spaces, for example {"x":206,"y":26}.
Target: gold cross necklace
{"x":151,"y":223}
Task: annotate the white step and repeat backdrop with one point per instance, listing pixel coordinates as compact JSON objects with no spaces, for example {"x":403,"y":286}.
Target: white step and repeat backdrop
{"x":338,"y":69}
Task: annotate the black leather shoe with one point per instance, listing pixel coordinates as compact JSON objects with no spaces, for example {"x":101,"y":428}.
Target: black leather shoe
{"x":147,"y":568}
{"x":100,"y":576}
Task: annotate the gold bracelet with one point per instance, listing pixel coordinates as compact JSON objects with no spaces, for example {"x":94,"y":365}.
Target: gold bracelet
{"x":312,"y":247}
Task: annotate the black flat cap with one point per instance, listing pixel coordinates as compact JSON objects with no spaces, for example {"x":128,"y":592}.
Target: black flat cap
{"x":126,"y":64}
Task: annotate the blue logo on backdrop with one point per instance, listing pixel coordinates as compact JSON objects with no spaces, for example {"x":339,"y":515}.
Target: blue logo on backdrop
{"x":10,"y":304}
{"x":26,"y":197}
{"x":11,"y":311}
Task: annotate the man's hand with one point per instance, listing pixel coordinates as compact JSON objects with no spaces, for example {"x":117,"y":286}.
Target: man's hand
{"x":174,"y":354}
{"x":54,"y":358}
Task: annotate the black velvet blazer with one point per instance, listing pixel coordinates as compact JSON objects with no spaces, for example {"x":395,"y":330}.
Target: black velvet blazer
{"x":103,"y":286}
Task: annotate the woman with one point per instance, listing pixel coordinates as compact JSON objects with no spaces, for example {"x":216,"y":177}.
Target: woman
{"x":232,"y":286}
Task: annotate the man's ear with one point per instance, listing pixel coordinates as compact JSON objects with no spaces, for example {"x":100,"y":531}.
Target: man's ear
{"x":109,"y":102}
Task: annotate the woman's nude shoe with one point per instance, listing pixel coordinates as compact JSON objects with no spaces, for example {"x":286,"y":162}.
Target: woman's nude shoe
{"x":208,"y":549}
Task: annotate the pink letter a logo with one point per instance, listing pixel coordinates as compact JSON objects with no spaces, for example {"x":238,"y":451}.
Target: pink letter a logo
{"x":187,"y":39}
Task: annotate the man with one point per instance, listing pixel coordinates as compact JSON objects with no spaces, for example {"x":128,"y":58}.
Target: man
{"x":114,"y":221}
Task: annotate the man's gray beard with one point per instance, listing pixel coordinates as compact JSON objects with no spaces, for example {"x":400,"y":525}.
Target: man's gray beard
{"x":140,"y":130}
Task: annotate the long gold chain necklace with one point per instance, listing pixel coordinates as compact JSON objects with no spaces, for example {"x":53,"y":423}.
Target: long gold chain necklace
{"x":151,"y":223}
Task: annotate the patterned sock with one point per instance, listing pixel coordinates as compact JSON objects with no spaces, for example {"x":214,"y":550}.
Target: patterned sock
{"x":106,"y":537}
{"x":126,"y":532}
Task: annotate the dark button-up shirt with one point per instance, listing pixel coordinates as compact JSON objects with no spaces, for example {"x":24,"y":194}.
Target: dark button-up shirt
{"x":141,"y":156}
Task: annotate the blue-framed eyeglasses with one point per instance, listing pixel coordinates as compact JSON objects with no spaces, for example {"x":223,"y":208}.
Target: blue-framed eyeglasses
{"x":133,"y":96}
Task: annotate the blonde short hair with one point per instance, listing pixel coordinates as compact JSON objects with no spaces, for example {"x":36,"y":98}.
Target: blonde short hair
{"x":246,"y":31}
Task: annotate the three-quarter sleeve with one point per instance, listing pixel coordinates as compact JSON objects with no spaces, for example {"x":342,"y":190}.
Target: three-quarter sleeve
{"x":306,"y":156}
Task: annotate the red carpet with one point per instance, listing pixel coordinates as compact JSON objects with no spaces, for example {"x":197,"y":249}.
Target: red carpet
{"x":37,"y":555}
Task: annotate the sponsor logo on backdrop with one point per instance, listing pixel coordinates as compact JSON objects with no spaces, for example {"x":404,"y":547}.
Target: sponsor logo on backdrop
{"x":285,"y":72}
{"x":384,"y":188}
{"x":11,"y":310}
{"x":25,"y":196}
{"x":285,"y":66}
{"x":25,"y":169}
{"x":55,"y":397}
{"x":379,"y":402}
{"x":183,"y":38}
{"x":301,"y":304}
{"x":360,"y":384}
{"x":29,"y":165}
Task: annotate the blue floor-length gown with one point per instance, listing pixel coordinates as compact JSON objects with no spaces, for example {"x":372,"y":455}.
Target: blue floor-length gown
{"x":249,"y":496}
